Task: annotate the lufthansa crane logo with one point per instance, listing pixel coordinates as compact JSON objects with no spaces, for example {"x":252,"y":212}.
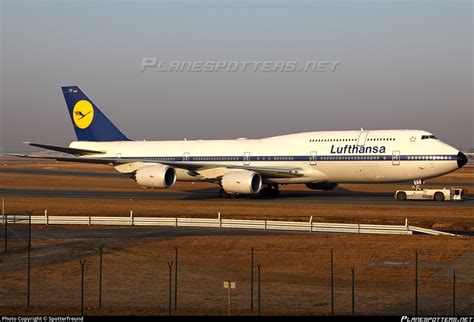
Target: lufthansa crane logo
{"x":83,"y":114}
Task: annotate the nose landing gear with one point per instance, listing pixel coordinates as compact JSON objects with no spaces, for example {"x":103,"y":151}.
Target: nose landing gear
{"x":270,"y":190}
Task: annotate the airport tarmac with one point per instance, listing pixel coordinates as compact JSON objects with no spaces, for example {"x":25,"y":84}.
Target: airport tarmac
{"x":96,"y":174}
{"x":340,"y":196}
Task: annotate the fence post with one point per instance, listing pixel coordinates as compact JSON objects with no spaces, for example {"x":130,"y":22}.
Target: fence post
{"x":29,"y":212}
{"x":5,"y":216}
{"x":46,"y":216}
{"x":416,"y":282}
{"x":131,"y":217}
{"x":220,"y":220}
{"x":83,"y":262}
{"x":176,"y":280}
{"x":170,"y":265}
{"x":101,"y":248}
{"x":311,"y":224}
{"x":353,"y":290}
{"x":259,"y":292}
{"x":332,"y":283}
{"x":454,"y":292}
{"x":251,"y":280}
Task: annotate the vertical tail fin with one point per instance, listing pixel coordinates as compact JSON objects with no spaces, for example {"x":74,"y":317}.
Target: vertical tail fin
{"x":88,"y":120}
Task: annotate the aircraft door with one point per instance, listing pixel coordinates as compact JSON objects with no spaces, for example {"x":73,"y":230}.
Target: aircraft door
{"x":362,"y":138}
{"x":313,"y":158}
{"x":186,"y":157}
{"x":247,"y":158}
{"x":396,"y":157}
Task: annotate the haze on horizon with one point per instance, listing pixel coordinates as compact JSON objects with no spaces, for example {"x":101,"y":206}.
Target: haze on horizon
{"x":404,"y":65}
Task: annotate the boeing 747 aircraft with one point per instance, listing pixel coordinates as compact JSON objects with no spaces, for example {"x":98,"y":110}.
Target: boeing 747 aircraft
{"x":320,"y":159}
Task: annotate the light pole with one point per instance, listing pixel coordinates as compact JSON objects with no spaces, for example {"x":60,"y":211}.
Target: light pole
{"x":229,"y":286}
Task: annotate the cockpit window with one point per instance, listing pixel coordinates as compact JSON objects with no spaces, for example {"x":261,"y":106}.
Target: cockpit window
{"x":425,"y":137}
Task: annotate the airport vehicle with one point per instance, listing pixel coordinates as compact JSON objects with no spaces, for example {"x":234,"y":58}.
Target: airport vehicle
{"x":443,"y":194}
{"x":320,"y":160}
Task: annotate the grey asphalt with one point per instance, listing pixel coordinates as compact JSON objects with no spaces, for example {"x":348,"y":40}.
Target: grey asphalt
{"x":55,"y":172}
{"x":339,"y":196}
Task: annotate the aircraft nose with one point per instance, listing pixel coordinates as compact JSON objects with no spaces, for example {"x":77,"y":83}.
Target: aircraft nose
{"x":462,"y":159}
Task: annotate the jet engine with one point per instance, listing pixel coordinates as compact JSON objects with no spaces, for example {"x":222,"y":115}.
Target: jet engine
{"x":322,"y":185}
{"x":242,"y":182}
{"x":156,"y":176}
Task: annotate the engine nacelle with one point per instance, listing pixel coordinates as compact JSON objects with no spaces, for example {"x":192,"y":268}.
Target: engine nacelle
{"x":156,"y":176}
{"x":322,"y":185}
{"x":244,"y":182}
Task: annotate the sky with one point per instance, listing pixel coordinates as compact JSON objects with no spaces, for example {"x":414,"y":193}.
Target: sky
{"x":402,"y":65}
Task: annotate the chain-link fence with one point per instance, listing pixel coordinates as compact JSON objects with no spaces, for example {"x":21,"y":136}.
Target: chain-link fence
{"x":297,"y":276}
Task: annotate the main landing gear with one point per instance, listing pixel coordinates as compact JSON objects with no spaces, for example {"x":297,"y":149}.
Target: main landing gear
{"x":224,"y":194}
{"x":270,"y":190}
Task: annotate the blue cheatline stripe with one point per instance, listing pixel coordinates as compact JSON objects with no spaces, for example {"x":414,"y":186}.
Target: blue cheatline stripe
{"x":304,"y":158}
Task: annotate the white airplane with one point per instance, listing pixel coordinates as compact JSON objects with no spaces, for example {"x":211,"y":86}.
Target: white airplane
{"x":320,"y":160}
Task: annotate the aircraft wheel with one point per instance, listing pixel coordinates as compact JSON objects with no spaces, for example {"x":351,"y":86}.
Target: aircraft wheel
{"x":270,"y":191}
{"x":275,"y":192}
{"x":224,"y":194}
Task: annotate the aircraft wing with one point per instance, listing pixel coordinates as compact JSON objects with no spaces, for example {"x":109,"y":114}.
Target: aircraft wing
{"x":266,"y":172}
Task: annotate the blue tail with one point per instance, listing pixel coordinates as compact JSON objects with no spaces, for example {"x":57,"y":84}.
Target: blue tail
{"x":88,"y":120}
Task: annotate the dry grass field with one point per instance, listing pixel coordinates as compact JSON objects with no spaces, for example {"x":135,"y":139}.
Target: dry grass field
{"x":295,"y":275}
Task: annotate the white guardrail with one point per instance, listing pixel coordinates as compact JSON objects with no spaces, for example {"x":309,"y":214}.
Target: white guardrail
{"x":309,"y":226}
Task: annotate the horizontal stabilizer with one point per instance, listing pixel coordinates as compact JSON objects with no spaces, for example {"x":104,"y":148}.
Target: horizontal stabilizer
{"x":65,"y":149}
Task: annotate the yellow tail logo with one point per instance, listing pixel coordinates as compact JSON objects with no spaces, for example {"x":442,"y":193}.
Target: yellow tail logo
{"x":83,"y":114}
